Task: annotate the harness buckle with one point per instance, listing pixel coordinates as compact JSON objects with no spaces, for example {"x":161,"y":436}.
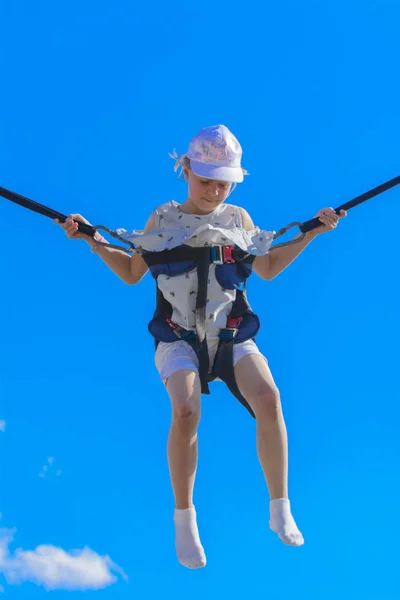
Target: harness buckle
{"x":185,"y":334}
{"x":216,"y":255}
{"x":234,"y":322}
{"x":181,"y":332}
{"x":222,"y":254}
{"x":231,"y":330}
{"x":171,"y":323}
{"x":227,"y":254}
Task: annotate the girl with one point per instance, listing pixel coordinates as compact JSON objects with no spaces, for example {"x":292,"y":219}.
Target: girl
{"x":211,"y":168}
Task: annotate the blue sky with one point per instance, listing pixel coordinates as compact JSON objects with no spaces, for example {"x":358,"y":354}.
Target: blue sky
{"x":94,"y":96}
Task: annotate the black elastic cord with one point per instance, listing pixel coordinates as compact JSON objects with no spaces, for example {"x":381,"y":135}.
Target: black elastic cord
{"x":314,"y":223}
{"x":44,"y":210}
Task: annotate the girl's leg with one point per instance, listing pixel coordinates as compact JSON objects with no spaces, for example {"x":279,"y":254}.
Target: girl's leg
{"x":256,"y":384}
{"x":184,"y":391}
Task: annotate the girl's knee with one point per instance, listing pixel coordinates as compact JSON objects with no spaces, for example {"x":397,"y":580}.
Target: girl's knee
{"x":184,"y":391}
{"x":266,"y":403}
{"x":185,"y":411}
{"x":185,"y":418}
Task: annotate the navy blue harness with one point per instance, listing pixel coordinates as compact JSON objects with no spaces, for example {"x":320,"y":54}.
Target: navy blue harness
{"x":233,"y":267}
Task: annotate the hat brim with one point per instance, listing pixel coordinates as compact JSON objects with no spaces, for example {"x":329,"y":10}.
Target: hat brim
{"x":231,"y":174}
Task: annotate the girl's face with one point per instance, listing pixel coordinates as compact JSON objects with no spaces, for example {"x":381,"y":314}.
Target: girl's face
{"x":204,"y":195}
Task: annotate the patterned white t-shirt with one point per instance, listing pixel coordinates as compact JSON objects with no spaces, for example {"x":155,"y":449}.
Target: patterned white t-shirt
{"x":173,"y":228}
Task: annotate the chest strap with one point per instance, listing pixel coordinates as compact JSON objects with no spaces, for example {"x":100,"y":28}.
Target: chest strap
{"x":216,"y":254}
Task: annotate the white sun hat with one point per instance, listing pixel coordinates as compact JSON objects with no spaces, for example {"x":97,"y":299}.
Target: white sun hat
{"x":215,"y":153}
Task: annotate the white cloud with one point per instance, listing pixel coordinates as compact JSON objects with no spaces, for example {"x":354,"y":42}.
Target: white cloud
{"x":46,"y":468}
{"x":56,"y":569}
{"x":2,"y":425}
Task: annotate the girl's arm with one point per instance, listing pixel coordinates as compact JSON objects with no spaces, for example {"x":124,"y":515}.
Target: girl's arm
{"x":270,"y":265}
{"x":131,"y":269}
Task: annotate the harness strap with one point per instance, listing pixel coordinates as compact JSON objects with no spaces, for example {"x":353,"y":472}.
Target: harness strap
{"x":203,"y":266}
{"x":193,"y":254}
{"x":202,"y":256}
{"x":224,"y":356}
{"x":227,"y":374}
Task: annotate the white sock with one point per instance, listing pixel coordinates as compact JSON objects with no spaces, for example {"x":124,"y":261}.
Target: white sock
{"x":187,"y":541}
{"x":282,"y":522}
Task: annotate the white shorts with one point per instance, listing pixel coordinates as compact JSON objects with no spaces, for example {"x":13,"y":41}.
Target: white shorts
{"x":175,"y":356}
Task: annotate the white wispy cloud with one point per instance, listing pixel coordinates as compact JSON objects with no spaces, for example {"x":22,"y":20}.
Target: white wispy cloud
{"x":56,"y":569}
{"x":2,"y":425}
{"x":46,"y":468}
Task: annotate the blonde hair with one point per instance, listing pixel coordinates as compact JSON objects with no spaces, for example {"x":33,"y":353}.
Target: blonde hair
{"x":182,"y":161}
